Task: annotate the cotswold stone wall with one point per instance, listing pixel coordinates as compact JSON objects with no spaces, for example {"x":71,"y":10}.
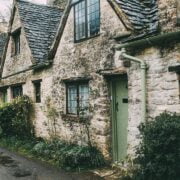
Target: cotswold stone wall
{"x":14,"y":64}
{"x":168,"y":10}
{"x":87,"y":59}
{"x":23,"y":60}
{"x":84,"y":60}
{"x":162,"y":88}
{"x":60,"y":3}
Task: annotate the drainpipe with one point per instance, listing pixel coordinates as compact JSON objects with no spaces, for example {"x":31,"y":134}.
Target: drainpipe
{"x":143,"y":67}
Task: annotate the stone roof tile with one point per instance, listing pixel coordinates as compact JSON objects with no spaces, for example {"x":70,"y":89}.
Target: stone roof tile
{"x":40,"y":23}
{"x":143,"y":14}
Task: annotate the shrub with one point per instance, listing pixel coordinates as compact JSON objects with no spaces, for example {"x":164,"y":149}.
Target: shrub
{"x":159,"y":151}
{"x":69,"y":156}
{"x":17,"y":134}
{"x":14,"y":118}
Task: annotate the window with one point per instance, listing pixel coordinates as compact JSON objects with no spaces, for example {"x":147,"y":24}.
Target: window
{"x":3,"y":94}
{"x":78,"y":98}
{"x":37,"y":89}
{"x":17,"y":91}
{"x":87,"y":19}
{"x":16,"y":42}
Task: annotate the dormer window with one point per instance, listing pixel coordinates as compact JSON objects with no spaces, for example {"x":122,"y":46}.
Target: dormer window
{"x":87,"y":19}
{"x":16,"y":43}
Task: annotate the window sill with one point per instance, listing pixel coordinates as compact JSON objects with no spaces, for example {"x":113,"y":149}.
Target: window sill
{"x":75,"y":118}
{"x":86,"y":39}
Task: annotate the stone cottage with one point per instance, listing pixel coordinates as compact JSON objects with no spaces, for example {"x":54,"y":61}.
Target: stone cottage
{"x":95,"y":70}
{"x":25,"y":66}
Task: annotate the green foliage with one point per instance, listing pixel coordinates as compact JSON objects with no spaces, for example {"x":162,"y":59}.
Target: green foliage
{"x":69,"y":156}
{"x":17,"y":134}
{"x":159,"y":152}
{"x":14,"y":118}
{"x":56,"y":152}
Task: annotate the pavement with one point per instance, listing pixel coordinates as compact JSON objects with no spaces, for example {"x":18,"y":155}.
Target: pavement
{"x":14,"y":166}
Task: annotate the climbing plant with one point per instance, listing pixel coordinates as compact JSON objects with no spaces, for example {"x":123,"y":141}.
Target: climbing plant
{"x":52,"y":116}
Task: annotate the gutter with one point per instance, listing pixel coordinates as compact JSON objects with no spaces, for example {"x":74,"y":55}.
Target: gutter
{"x":143,"y":67}
{"x":33,"y":67}
{"x":151,"y":41}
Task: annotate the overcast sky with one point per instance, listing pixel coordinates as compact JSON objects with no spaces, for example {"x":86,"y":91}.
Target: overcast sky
{"x":6,"y":4}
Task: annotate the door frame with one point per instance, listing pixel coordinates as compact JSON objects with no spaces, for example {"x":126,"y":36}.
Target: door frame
{"x":112,"y":79}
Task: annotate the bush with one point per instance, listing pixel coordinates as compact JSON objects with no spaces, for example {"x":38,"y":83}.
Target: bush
{"x":17,"y":134}
{"x":14,"y":118}
{"x":69,"y":156}
{"x":159,"y":152}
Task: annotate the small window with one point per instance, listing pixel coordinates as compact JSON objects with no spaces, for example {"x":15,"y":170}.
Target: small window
{"x":87,"y":19}
{"x":37,"y":91}
{"x":78,"y":99}
{"x":3,"y":95}
{"x":17,"y":91}
{"x":16,"y":43}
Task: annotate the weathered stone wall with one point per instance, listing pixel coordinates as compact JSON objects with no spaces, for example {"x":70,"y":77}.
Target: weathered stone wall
{"x":60,"y":3}
{"x":22,"y":61}
{"x":168,"y":14}
{"x":162,"y":88}
{"x":178,"y":12}
{"x":85,"y":59}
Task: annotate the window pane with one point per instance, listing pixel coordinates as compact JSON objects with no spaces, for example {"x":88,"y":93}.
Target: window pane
{"x":17,"y":91}
{"x":83,"y":99}
{"x":16,"y":43}
{"x":37,"y":87}
{"x":80,"y":20}
{"x":93,"y":17}
{"x":72,"y":99}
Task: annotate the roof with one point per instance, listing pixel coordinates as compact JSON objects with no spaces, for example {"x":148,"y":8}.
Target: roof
{"x":143,"y":15}
{"x":3,"y":39}
{"x":40,"y":23}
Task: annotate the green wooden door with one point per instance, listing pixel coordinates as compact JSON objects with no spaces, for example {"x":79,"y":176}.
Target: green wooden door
{"x":119,"y":117}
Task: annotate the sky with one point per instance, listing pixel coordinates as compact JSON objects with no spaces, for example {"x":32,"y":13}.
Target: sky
{"x":6,"y":4}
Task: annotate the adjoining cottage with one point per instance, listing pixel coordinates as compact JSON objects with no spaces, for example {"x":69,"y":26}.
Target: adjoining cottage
{"x":25,"y":66}
{"x":96,"y":69}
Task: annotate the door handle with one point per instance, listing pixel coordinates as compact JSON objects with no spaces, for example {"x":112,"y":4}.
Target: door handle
{"x":117,"y":106}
